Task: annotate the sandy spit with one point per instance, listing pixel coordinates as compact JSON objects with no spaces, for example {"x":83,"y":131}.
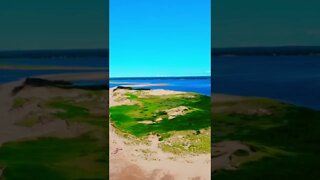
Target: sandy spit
{"x":147,"y":161}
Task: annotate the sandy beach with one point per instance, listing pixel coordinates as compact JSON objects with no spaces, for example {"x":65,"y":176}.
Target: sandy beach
{"x":28,"y":114}
{"x":9,"y":131}
{"x":129,"y":157}
{"x":128,"y":160}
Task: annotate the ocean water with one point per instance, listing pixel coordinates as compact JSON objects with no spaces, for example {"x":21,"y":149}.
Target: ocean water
{"x":193,"y":84}
{"x":290,"y":79}
{"x":59,"y":61}
{"x":13,"y":75}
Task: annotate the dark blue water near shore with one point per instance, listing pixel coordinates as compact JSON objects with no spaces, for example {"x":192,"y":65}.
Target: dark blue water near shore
{"x":59,"y":61}
{"x":13,"y":75}
{"x":191,"y":84}
{"x":290,"y":79}
{"x":293,"y":79}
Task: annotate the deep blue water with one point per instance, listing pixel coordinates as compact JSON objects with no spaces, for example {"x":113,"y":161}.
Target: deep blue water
{"x":59,"y":61}
{"x":290,"y":79}
{"x":198,"y":85}
{"x":13,"y":75}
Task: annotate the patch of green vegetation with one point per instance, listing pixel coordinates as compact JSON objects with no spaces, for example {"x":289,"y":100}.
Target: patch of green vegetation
{"x":287,"y":135}
{"x":187,"y":142}
{"x":282,"y":167}
{"x":241,"y":152}
{"x":68,"y":111}
{"x":127,"y":117}
{"x":99,"y":93}
{"x":19,"y":102}
{"x":54,"y":158}
{"x":286,"y":125}
{"x":28,"y":121}
{"x":131,"y":96}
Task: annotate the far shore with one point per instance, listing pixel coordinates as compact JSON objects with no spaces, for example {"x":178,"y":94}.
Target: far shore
{"x":131,"y":84}
{"x":94,"y":76}
{"x":28,"y":67}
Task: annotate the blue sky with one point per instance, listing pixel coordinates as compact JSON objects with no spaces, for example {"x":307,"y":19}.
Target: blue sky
{"x":160,"y":38}
{"x":53,"y":24}
{"x":83,"y":24}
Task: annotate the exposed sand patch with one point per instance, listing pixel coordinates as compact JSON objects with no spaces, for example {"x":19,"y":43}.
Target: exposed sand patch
{"x":150,"y":162}
{"x":117,"y":97}
{"x":10,"y":117}
{"x":146,"y":122}
{"x":217,"y":98}
{"x":162,"y":92}
{"x":77,"y":76}
{"x":177,"y":111}
{"x":130,"y":159}
{"x":222,"y":154}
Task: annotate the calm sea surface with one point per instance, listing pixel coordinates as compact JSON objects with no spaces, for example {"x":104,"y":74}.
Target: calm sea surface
{"x":198,"y":85}
{"x":290,"y":79}
{"x":13,"y":75}
{"x":78,"y":62}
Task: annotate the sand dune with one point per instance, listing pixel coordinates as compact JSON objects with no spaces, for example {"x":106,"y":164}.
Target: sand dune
{"x":129,"y":160}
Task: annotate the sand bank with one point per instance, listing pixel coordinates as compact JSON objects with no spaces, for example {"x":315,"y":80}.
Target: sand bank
{"x":9,"y":131}
{"x":136,"y":161}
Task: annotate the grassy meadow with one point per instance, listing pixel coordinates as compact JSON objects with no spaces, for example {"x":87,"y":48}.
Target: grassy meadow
{"x":284,"y":139}
{"x":149,"y":115}
{"x":83,"y":155}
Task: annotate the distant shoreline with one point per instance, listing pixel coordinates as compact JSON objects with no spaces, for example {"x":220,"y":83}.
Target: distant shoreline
{"x":92,"y":76}
{"x":10,"y":54}
{"x":132,"y":84}
{"x":267,"y":51}
{"x":28,"y":67}
{"x":165,"y":77}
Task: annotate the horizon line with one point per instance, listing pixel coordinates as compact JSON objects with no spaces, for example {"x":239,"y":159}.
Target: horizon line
{"x":184,"y":76}
{"x":276,"y":46}
{"x":212,"y":47}
{"x":62,"y":49}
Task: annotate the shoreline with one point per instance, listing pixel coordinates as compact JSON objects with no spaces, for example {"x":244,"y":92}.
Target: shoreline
{"x":140,"y":85}
{"x":11,"y":132}
{"x":65,"y":76}
{"x":143,"y":156}
{"x":35,"y":67}
{"x":96,"y":76}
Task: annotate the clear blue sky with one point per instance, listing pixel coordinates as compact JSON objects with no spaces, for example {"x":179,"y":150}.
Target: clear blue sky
{"x":53,"y":24}
{"x":160,"y":38}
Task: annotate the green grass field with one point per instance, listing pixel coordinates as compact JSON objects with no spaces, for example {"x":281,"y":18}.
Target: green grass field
{"x":266,"y":123}
{"x":82,"y":157}
{"x":127,"y":117}
{"x":75,"y":113}
{"x":54,"y":158}
{"x":194,"y":126}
